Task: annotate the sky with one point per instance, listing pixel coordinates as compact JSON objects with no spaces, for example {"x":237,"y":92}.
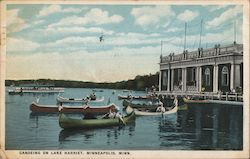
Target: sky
{"x":62,"y":41}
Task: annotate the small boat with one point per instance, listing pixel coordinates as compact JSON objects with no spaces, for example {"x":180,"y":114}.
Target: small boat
{"x":125,"y":90}
{"x":183,"y":107}
{"x":224,"y":102}
{"x":35,"y":89}
{"x":143,"y":112}
{"x":69,"y":123}
{"x":151,"y":106}
{"x":36,"y":108}
{"x":120,"y":97}
{"x":61,"y":99}
{"x":201,"y":101}
{"x":97,"y":90}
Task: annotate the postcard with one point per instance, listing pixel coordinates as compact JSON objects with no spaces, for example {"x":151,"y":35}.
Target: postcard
{"x":124,"y":79}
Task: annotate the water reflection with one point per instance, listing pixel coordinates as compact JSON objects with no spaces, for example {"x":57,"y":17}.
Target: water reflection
{"x":110,"y":135}
{"x":86,"y":134}
{"x":212,"y":126}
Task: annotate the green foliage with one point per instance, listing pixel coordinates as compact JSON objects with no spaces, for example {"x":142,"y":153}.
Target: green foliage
{"x":138,"y":83}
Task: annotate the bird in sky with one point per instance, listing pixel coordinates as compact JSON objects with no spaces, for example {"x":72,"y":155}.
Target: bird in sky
{"x":101,"y":38}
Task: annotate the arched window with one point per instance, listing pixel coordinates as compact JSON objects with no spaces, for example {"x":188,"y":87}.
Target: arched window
{"x":207,"y":77}
{"x":224,"y":76}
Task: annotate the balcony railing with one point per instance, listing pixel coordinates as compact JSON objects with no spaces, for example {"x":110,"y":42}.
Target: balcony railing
{"x":191,"y":88}
{"x":217,"y":50}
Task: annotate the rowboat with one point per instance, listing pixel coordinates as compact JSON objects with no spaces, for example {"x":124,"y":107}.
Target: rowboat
{"x":151,"y":106}
{"x":143,"y":112}
{"x":35,"y":89}
{"x":69,"y":123}
{"x":198,"y":101}
{"x":120,"y":97}
{"x":97,"y":90}
{"x":36,"y":108}
{"x":224,"y":102}
{"x":61,"y":99}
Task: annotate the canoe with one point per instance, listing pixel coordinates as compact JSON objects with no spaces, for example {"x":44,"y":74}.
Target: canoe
{"x":224,"y":102}
{"x":142,"y":112}
{"x":20,"y":90}
{"x":195,"y":101}
{"x":126,"y":103}
{"x":36,"y":108}
{"x":97,"y":90}
{"x":120,"y":97}
{"x":61,"y":99}
{"x":69,"y":123}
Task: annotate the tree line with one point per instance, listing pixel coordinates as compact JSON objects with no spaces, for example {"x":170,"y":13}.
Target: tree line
{"x":139,"y":83}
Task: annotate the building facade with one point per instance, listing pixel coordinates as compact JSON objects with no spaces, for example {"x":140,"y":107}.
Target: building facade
{"x":218,"y":69}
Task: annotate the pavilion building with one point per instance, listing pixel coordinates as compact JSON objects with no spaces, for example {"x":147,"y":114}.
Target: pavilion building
{"x":212,"y":70}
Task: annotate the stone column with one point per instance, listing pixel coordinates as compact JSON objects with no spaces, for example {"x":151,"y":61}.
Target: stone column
{"x":232,"y":75}
{"x":168,"y":88}
{"x":172,"y":79}
{"x":236,"y":75}
{"x":200,"y":78}
{"x":184,"y":79}
{"x":160,"y":80}
{"x":215,"y":79}
{"x":197,"y":79}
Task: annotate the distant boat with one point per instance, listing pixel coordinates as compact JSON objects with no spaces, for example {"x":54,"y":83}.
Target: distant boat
{"x":120,"y":97}
{"x":69,"y":123}
{"x":37,"y":108}
{"x":35,"y":89}
{"x":208,"y":101}
{"x":143,"y":112}
{"x":61,"y":99}
{"x":126,"y":91}
{"x":97,"y":90}
{"x":151,"y":106}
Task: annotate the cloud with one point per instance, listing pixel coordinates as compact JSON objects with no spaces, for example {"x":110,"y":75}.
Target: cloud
{"x":187,"y":15}
{"x":14,"y":22}
{"x":212,"y":8}
{"x":51,"y":9}
{"x":20,"y":45}
{"x":39,"y":22}
{"x":118,"y":39}
{"x":148,"y":16}
{"x":174,"y":29}
{"x":225,"y":16}
{"x":95,"y":16}
{"x":87,"y":66}
{"x":76,"y":30}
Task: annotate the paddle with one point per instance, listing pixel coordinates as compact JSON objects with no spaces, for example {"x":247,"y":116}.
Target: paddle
{"x":121,"y":119}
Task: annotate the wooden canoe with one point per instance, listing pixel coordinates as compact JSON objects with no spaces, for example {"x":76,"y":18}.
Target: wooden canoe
{"x":126,"y":103}
{"x":61,"y":99}
{"x":36,"y":108}
{"x":120,"y":97}
{"x":198,"y":101}
{"x":224,"y":102}
{"x":142,"y":112}
{"x":69,"y":123}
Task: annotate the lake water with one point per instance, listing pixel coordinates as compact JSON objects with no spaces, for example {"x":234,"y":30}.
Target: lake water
{"x":199,"y":127}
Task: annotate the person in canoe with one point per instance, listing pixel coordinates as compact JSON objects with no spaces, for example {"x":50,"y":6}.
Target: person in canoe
{"x":111,"y":115}
{"x":161,"y":108}
{"x":92,"y":96}
{"x":60,"y":107}
{"x":87,"y":100}
{"x":175,"y":101}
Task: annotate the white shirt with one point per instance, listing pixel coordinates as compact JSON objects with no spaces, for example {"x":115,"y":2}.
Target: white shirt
{"x":160,"y":109}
